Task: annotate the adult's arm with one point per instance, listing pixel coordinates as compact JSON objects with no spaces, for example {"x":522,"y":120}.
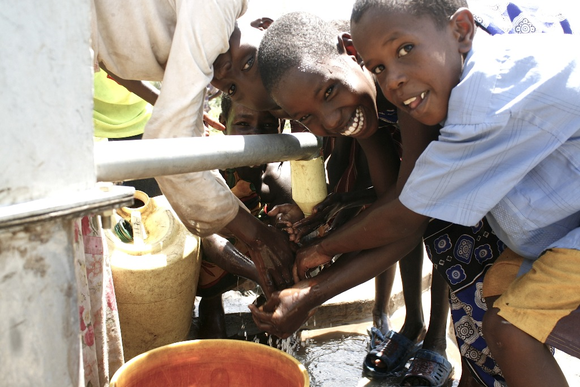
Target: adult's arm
{"x":269,"y":249}
{"x":202,"y":200}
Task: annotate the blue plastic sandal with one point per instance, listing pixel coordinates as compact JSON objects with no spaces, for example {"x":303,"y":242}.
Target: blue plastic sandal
{"x":393,"y":352}
{"x":429,"y":367}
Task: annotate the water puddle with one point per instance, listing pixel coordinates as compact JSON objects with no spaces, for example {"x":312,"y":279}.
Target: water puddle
{"x":335,"y":360}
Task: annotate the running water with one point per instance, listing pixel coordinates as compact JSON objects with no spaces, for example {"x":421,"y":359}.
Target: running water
{"x":290,"y":345}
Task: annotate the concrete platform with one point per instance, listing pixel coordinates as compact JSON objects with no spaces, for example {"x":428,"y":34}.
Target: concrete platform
{"x":349,"y":315}
{"x":350,"y":307}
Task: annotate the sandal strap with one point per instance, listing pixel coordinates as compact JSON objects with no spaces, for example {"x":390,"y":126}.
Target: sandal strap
{"x":394,"y":353}
{"x":430,"y":366}
{"x":395,"y":344}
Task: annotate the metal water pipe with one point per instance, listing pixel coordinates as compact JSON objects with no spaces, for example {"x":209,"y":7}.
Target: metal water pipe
{"x":139,"y":159}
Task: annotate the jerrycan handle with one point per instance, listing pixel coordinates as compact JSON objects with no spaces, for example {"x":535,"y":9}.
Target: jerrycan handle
{"x":139,"y":234}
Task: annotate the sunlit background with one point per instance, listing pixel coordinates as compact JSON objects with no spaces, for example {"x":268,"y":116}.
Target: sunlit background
{"x":340,"y":9}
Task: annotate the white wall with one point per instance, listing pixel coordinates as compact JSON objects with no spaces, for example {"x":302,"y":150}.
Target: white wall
{"x":45,"y":103}
{"x":39,"y":339}
{"x":46,"y":151}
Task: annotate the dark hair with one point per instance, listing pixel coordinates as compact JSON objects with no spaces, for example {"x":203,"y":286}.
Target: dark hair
{"x":226,"y":106}
{"x":438,"y":10}
{"x":296,"y":39}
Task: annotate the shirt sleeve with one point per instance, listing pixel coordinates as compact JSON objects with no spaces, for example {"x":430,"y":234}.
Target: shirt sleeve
{"x":471,"y":168}
{"x":202,"y":200}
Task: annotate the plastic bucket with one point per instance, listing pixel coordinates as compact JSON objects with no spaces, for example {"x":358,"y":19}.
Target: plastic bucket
{"x":209,"y":363}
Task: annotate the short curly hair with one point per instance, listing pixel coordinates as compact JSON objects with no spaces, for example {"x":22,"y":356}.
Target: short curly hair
{"x":297,"y":39}
{"x":438,"y":10}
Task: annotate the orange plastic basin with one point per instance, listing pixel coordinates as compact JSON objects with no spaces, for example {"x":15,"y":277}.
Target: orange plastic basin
{"x":205,"y":363}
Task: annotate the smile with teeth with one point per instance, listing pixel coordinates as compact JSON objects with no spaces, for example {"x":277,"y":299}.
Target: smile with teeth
{"x":357,"y":124}
{"x":413,"y":99}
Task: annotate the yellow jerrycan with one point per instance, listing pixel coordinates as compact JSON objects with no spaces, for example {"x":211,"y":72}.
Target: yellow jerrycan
{"x":308,"y":183}
{"x":155,"y":262}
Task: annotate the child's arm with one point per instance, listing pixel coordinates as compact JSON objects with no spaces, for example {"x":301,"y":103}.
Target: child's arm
{"x":288,"y":309}
{"x":325,"y":211}
{"x":415,"y":137}
{"x":277,"y":184}
{"x":225,"y":255}
{"x":141,"y":89}
{"x":383,"y":163}
{"x":385,"y":222}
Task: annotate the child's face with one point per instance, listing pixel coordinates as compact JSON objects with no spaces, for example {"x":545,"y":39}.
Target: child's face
{"x":236,"y":71}
{"x":334,"y":97}
{"x":242,"y":120}
{"x":416,"y":64}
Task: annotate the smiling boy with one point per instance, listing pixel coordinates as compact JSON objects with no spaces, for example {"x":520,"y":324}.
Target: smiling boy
{"x":313,"y":75}
{"x":508,"y":149}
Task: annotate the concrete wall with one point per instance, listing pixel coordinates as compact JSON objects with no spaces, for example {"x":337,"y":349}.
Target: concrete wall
{"x":45,"y":100}
{"x":39,"y":339}
{"x":46,"y":151}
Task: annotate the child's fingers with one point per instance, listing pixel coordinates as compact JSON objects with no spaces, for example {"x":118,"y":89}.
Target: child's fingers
{"x":295,"y":274}
{"x":264,"y":322}
{"x":261,"y":318}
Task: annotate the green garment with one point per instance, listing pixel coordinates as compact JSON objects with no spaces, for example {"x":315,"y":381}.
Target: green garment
{"x":117,"y":112}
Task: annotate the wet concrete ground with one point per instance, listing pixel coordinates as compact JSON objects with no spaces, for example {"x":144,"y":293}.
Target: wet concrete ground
{"x":334,"y":355}
{"x":333,"y":358}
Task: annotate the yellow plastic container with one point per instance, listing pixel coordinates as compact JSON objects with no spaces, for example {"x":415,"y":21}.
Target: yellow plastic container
{"x":308,"y":183}
{"x":155,"y":275}
{"x":209,"y":363}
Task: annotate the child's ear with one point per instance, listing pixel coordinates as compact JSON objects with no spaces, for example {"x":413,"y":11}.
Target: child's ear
{"x":262,"y":23}
{"x":463,"y":28}
{"x":346,"y":45}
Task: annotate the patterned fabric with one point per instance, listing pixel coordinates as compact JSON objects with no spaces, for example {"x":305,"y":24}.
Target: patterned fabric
{"x":509,"y":18}
{"x":244,"y":190}
{"x":102,"y":350}
{"x":349,"y":176}
{"x":462,"y":255}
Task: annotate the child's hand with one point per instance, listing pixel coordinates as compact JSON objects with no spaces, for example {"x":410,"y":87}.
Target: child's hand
{"x":284,"y":215}
{"x":322,"y":214}
{"x":213,"y":123}
{"x":273,"y":256}
{"x":307,"y":259}
{"x":331,"y":213}
{"x":285,"y":311}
